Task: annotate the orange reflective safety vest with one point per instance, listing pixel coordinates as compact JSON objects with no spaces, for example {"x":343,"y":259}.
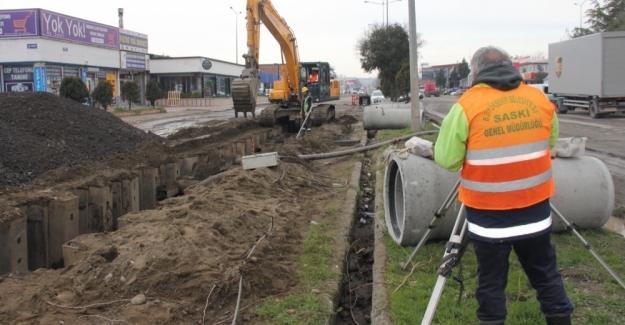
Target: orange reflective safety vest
{"x":313,"y":77}
{"x":508,"y":161}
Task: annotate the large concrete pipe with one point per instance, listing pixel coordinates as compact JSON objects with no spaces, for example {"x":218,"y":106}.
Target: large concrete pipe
{"x":379,"y":117}
{"x":416,"y":187}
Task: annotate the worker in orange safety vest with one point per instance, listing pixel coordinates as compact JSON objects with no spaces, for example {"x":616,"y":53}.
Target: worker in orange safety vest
{"x":500,"y":132}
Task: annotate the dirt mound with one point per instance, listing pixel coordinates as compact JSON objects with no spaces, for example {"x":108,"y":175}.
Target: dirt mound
{"x":249,"y":224}
{"x":41,"y":132}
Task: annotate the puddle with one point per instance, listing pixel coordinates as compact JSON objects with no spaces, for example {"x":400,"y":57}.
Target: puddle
{"x":616,"y":225}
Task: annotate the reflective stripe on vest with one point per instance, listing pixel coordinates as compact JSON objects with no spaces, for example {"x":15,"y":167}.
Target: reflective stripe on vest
{"x":507,"y":162}
{"x":509,"y":232}
{"x":506,"y":155}
{"x":507,"y":186}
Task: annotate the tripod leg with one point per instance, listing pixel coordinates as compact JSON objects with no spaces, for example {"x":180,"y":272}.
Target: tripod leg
{"x":588,"y":247}
{"x":457,"y":237}
{"x":439,"y":214}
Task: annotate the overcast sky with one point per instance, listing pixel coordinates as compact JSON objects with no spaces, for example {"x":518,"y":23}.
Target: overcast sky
{"x":327,"y":30}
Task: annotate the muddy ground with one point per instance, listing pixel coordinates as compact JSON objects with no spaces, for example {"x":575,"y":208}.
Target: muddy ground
{"x":183,"y":261}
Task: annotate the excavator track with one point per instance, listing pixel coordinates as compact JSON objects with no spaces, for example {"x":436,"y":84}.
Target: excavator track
{"x":242,"y":97}
{"x":268,"y":116}
{"x":322,"y":114}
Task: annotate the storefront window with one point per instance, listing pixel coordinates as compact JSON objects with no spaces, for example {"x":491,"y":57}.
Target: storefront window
{"x":53,"y":78}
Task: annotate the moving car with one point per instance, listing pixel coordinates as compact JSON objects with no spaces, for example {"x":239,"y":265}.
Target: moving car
{"x":377,"y":96}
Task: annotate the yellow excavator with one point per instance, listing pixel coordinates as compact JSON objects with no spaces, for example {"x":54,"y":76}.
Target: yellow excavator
{"x":285,"y":97}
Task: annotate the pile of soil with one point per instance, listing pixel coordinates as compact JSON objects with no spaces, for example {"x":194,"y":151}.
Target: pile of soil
{"x":249,"y":224}
{"x":41,"y":132}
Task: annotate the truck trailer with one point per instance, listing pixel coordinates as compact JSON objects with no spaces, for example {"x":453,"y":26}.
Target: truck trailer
{"x":589,"y":72}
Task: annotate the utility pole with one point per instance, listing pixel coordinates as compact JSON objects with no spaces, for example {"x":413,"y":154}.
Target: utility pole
{"x":415,"y":111}
{"x":236,"y":31}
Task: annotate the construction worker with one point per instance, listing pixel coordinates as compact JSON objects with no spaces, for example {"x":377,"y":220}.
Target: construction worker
{"x":500,"y":132}
{"x":306,"y":107}
{"x":313,"y":77}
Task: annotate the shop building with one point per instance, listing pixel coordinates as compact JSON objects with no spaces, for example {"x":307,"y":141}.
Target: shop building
{"x":196,"y":76}
{"x":38,"y":48}
{"x":530,"y":68}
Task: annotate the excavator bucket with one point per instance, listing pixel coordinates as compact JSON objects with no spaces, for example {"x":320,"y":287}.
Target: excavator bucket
{"x":244,"y":92}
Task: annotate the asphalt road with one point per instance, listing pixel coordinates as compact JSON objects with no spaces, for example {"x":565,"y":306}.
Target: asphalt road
{"x":604,"y":137}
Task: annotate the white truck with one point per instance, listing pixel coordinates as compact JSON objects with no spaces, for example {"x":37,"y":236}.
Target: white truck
{"x":588,"y":72}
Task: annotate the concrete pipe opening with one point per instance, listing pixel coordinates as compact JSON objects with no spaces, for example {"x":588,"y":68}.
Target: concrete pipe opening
{"x":416,"y":187}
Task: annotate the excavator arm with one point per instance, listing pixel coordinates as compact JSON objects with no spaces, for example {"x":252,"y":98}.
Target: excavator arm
{"x":245,"y":89}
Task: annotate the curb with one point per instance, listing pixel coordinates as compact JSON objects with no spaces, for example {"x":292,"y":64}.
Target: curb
{"x":380,"y":298}
{"x":139,"y":113}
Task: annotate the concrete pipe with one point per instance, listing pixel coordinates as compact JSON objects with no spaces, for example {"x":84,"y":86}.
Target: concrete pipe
{"x":416,"y":187}
{"x":378,"y":117}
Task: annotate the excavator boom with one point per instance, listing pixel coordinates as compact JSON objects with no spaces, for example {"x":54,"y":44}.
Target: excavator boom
{"x":245,"y":88}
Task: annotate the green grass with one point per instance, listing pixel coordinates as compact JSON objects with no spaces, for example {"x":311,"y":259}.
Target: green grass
{"x":119,"y":110}
{"x":597,"y":296}
{"x":303,"y":306}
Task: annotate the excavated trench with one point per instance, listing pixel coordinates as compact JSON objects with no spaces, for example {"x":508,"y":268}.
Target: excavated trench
{"x":40,"y":221}
{"x":356,"y":290}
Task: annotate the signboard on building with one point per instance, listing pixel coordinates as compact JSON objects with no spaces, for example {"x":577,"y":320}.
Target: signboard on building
{"x":18,"y":78}
{"x":135,"y":61}
{"x":70,"y":72}
{"x":112,"y":79}
{"x":39,"y":73}
{"x":18,"y":23}
{"x":133,"y":41}
{"x":78,"y":30}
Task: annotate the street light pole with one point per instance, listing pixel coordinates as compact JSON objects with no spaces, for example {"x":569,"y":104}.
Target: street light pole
{"x":580,"y":13}
{"x":415,"y":111}
{"x":382,"y":4}
{"x":236,"y":31}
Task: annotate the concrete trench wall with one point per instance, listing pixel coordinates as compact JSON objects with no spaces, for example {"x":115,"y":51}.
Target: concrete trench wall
{"x":38,"y":234}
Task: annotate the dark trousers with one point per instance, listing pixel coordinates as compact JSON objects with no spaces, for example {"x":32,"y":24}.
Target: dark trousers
{"x":538,"y":257}
{"x":308,"y":120}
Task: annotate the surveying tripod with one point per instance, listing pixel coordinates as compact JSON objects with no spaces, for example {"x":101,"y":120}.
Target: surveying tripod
{"x":458,"y":242}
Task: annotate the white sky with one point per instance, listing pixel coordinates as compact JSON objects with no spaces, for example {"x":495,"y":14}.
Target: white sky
{"x":327,"y":30}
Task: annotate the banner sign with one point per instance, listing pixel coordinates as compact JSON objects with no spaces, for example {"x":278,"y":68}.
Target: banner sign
{"x":135,"y":61}
{"x":78,"y":30}
{"x":39,"y":73}
{"x":133,"y":41}
{"x":18,"y":78}
{"x":83,"y":75}
{"x":16,"y":23}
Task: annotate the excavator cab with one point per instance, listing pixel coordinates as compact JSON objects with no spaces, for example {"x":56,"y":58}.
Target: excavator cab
{"x":317,"y":77}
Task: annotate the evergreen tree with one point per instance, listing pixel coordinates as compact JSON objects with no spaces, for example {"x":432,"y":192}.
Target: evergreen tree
{"x":130,"y":92}
{"x":152,"y":91}
{"x":74,"y":89}
{"x":103,"y":93}
{"x":386,"y":49}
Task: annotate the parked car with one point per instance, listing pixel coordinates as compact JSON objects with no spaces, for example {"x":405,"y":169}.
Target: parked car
{"x":377,"y":96}
{"x":362,"y":93}
{"x":421,"y":95}
{"x":449,"y":91}
{"x":458,"y":92}
{"x":354,"y":92}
